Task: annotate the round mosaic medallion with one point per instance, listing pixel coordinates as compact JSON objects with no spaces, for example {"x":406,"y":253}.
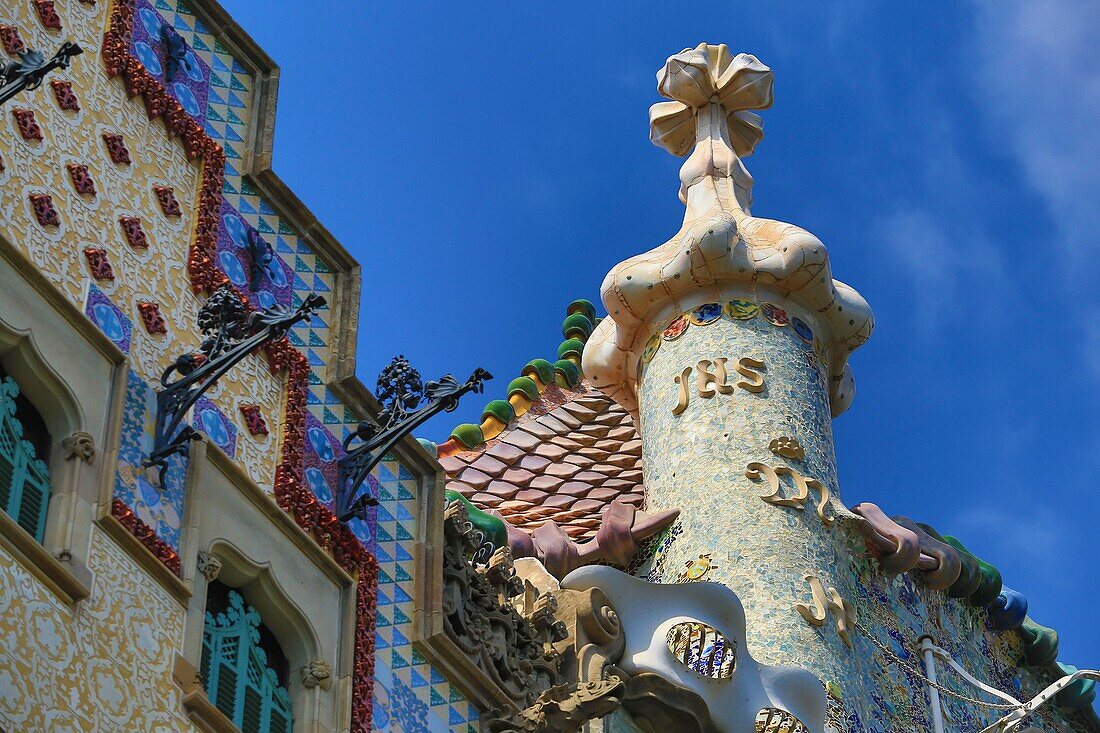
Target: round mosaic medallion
{"x":774,"y":315}
{"x":651,"y":347}
{"x":675,"y":329}
{"x":705,"y":314}
{"x":740,"y":310}
{"x":802,"y":329}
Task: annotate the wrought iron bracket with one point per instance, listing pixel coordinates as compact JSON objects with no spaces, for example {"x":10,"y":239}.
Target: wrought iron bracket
{"x":262,"y":256}
{"x":401,"y":392}
{"x":232,"y":333}
{"x":31,"y":68}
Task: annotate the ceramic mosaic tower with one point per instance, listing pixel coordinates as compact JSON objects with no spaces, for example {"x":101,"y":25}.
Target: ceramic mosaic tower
{"x":729,"y":344}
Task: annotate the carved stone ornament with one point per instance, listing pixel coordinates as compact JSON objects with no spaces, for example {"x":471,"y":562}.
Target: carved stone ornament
{"x":788,"y":448}
{"x":210,"y":565}
{"x":317,"y":673}
{"x":515,"y":652}
{"x":79,"y":445}
{"x":563,"y":708}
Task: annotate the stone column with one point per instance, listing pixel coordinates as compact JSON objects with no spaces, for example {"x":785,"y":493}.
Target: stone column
{"x":729,"y":344}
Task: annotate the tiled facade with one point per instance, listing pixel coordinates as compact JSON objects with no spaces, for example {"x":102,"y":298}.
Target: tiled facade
{"x":139,"y":222}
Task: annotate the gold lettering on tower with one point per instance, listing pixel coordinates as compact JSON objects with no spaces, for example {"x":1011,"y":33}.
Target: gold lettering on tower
{"x":823,"y":602}
{"x":763,"y":472}
{"x":754,"y":380}
{"x":712,"y":378}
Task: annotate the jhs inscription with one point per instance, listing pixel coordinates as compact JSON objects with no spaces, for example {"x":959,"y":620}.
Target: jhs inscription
{"x":711,"y":378}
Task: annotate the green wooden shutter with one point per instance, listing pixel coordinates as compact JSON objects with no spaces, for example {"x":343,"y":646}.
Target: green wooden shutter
{"x":236,"y":673}
{"x":24,"y":478}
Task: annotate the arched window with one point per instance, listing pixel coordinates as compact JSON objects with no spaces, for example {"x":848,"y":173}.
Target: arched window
{"x":24,"y":444}
{"x":243,"y":667}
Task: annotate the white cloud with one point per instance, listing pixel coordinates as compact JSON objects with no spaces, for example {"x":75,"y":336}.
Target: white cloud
{"x":1038,"y":72}
{"x":942,"y":268}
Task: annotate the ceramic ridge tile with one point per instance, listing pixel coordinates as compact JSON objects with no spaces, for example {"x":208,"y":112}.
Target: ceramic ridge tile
{"x":461,"y":488}
{"x":532,"y":496}
{"x":506,"y":453}
{"x":582,"y":440}
{"x":574,"y":488}
{"x":547,"y":483}
{"x":594,"y":453}
{"x":501,"y":489}
{"x":550,"y":451}
{"x":556,"y":426}
{"x":533,"y":462}
{"x":559,"y":501}
{"x":520,"y":439}
{"x":517,"y":476}
{"x":593,"y":477}
{"x":633,"y":447}
{"x":580,"y":412}
{"x":564,"y":417}
{"x":603,"y":494}
{"x":578,"y":460}
{"x":563,"y":470}
{"x":623,"y":432}
{"x":563,"y":442}
{"x":474,"y":477}
{"x":596,"y":431}
{"x":488,"y":464}
{"x":537,"y":429}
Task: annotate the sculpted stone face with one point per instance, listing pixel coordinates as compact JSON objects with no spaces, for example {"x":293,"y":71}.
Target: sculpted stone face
{"x":735,"y":690}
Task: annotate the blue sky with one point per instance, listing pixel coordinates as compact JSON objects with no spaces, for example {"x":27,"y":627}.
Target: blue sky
{"x":487,"y":163}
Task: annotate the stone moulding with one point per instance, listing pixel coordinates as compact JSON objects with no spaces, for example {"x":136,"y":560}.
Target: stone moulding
{"x":721,"y":250}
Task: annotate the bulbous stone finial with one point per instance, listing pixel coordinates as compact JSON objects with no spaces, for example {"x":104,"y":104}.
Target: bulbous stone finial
{"x":713,"y":92}
{"x":721,"y":251}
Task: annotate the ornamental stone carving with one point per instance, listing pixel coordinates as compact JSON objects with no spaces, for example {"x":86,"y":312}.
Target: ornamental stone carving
{"x":79,"y":445}
{"x":209,"y":565}
{"x":563,"y":708}
{"x":721,"y":251}
{"x":317,"y":673}
{"x":515,"y":651}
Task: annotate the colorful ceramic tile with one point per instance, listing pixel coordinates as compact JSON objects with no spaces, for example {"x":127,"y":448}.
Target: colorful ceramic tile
{"x":207,"y":417}
{"x":774,"y":315}
{"x":651,"y":347}
{"x":111,"y":321}
{"x":675,"y":329}
{"x":740,"y":310}
{"x":802,"y":329}
{"x":705,"y":314}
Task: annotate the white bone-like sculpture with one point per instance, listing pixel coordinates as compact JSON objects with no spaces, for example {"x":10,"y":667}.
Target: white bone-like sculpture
{"x":647,"y":611}
{"x":721,"y":251}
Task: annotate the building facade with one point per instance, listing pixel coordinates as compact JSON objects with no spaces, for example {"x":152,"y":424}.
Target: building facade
{"x":645,"y":530}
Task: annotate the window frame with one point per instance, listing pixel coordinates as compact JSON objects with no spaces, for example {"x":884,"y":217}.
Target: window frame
{"x":73,"y":375}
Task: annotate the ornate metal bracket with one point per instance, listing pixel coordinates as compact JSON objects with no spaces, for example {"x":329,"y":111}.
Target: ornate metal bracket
{"x":31,"y":68}
{"x":401,"y":392}
{"x":232,"y":333}
{"x":262,"y":256}
{"x":175,"y":52}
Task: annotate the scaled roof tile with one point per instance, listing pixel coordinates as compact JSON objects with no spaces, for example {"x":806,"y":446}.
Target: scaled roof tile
{"x":566,"y":459}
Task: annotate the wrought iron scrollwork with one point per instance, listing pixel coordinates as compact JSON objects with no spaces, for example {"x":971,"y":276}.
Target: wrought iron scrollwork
{"x":262,"y":256}
{"x":31,"y":68}
{"x":175,"y":56}
{"x":231,"y":333}
{"x":401,"y":392}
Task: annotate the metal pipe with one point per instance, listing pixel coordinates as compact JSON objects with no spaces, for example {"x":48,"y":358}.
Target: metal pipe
{"x":926,"y":646}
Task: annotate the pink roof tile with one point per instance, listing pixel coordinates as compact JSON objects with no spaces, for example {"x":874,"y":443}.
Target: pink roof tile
{"x":565,"y":460}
